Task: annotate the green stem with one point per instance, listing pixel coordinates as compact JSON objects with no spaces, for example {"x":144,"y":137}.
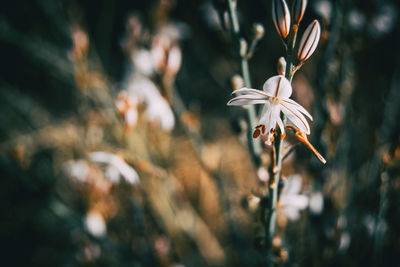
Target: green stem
{"x":274,"y":183}
{"x":254,"y":144}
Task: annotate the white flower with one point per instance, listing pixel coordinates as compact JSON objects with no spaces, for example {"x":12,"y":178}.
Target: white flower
{"x":157,"y":108}
{"x":275,"y":97}
{"x":291,"y":200}
{"x":116,"y":168}
{"x":95,"y":224}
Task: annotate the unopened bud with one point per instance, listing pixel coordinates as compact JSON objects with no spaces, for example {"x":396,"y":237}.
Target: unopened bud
{"x":276,"y":243}
{"x":298,"y":9}
{"x":237,"y":82}
{"x":243,"y":47}
{"x":258,"y":30}
{"x":309,"y":41}
{"x":281,"y":17}
{"x":281,"y":66}
{"x":283,"y":255}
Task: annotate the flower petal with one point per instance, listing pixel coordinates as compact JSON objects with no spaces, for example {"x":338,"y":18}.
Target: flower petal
{"x":295,"y":117}
{"x":250,"y":91}
{"x":278,"y":86}
{"x":275,"y":116}
{"x":247,"y":100}
{"x":293,"y":103}
{"x":280,"y":123}
{"x":265,"y":114}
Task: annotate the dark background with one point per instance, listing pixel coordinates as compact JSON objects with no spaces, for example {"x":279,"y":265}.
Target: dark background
{"x":351,"y":85}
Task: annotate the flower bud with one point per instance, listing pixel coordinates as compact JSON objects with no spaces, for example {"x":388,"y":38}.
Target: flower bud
{"x":309,"y":41}
{"x":258,"y":30}
{"x":298,"y":9}
{"x":243,"y":47}
{"x":281,"y":17}
{"x":237,"y":82}
{"x":281,"y":66}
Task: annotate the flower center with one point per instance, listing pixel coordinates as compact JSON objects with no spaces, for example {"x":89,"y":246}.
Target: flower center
{"x":275,"y":100}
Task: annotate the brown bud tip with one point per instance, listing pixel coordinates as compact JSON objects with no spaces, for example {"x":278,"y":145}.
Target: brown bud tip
{"x":298,"y":9}
{"x":309,"y":41}
{"x":281,"y":17}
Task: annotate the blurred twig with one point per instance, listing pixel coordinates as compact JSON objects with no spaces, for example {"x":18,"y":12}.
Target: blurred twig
{"x":241,"y":48}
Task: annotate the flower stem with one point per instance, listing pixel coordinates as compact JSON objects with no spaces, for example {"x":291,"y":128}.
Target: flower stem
{"x":254,"y":144}
{"x":276,"y":172}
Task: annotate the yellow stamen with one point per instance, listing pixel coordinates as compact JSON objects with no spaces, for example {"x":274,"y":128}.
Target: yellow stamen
{"x":303,"y":138}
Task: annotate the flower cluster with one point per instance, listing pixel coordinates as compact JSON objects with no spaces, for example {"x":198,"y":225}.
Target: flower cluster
{"x":277,"y":90}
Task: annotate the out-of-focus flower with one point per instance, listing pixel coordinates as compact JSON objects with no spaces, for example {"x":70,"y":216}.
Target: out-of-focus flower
{"x":165,"y":51}
{"x":356,"y":20}
{"x":157,"y":108}
{"x":291,"y":200}
{"x":323,"y":8}
{"x":95,"y":224}
{"x":127,"y":107}
{"x":384,"y":21}
{"x":316,"y":203}
{"x":81,"y":43}
{"x":345,"y":240}
{"x":309,"y":41}
{"x":116,"y":167}
{"x":143,"y":62}
{"x":161,"y":110}
{"x":133,"y":33}
{"x":158,"y":54}
{"x":263,"y":174}
{"x":275,"y":97}
{"x":281,"y":17}
{"x":77,"y":170}
{"x":211,"y":17}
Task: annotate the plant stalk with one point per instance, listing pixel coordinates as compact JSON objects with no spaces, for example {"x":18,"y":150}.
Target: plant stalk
{"x":254,"y":144}
{"x":274,"y":182}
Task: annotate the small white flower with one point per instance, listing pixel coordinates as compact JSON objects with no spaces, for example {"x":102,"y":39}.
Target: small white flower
{"x":95,"y":224}
{"x":275,"y":97}
{"x":116,"y":168}
{"x":157,"y":108}
{"x":291,"y":200}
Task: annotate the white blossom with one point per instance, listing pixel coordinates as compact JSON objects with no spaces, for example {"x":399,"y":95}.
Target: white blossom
{"x":95,"y":224}
{"x":157,"y":108}
{"x":275,"y":97}
{"x":116,"y":167}
{"x":291,"y":200}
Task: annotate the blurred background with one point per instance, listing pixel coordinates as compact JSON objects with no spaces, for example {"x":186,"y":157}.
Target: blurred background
{"x":117,"y":147}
